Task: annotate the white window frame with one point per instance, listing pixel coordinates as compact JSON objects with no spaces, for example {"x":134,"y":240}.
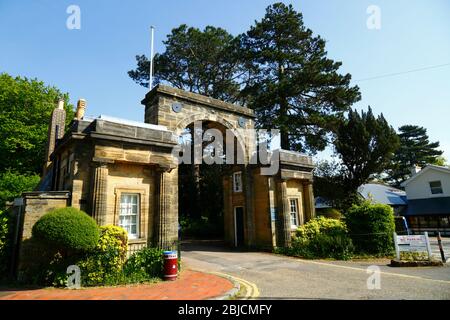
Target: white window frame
{"x":237,"y":187}
{"x":138,"y":207}
{"x":294,"y":213}
{"x":434,"y":188}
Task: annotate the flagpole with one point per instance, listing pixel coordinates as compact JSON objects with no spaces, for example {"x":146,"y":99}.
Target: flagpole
{"x":150,"y":85}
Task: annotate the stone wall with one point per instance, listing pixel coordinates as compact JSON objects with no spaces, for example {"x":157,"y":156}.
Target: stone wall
{"x":35,"y":205}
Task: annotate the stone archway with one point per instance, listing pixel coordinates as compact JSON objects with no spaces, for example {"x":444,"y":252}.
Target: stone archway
{"x":266,"y":200}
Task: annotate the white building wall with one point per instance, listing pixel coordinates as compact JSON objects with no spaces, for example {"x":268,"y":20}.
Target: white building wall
{"x":419,"y":188}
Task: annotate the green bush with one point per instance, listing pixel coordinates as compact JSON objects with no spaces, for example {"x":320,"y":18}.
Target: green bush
{"x":5,"y":242}
{"x":104,"y":265}
{"x":147,"y":263}
{"x":371,"y":227}
{"x":98,"y":267}
{"x":202,"y":228}
{"x":322,"y":238}
{"x":67,"y":230}
{"x":13,"y":184}
{"x":331,"y":213}
{"x":321,"y":225}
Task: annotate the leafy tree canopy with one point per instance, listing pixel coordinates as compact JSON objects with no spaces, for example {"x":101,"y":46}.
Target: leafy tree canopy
{"x":294,"y":86}
{"x":415,"y":149}
{"x":279,"y":68}
{"x":25,"y":109}
{"x":13,"y":184}
{"x":365,"y":145}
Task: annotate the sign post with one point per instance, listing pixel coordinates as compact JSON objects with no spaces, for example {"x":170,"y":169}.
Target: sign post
{"x":413,"y":244}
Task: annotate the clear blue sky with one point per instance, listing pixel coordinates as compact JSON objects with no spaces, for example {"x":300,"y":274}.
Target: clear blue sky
{"x":92,"y":63}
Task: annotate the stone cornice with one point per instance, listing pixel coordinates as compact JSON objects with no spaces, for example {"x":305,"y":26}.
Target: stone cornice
{"x":196,"y":98}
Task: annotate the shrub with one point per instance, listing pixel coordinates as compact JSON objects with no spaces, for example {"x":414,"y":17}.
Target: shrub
{"x":322,"y":238}
{"x":98,"y":267}
{"x":5,"y":241}
{"x":321,"y":225}
{"x":67,"y":230}
{"x":331,"y":213}
{"x":371,"y":227}
{"x":13,"y":184}
{"x":146,"y":263}
{"x":104,"y":265}
{"x":202,"y":228}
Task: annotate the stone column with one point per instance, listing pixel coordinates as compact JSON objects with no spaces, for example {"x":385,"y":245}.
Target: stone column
{"x":310,"y":210}
{"x":283,"y":222}
{"x":100,"y":192}
{"x":249,"y":207}
{"x":166,"y":211}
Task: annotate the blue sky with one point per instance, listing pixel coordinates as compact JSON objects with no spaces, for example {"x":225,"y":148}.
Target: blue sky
{"x":92,"y":62}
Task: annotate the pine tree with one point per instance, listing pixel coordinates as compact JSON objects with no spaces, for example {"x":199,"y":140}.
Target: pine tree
{"x":415,"y":150}
{"x":293,"y":86}
{"x":365,"y":144}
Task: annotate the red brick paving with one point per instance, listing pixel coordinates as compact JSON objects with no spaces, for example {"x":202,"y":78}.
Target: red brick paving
{"x":191,"y":285}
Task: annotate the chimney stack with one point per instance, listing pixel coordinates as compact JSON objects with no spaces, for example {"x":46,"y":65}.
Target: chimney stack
{"x":81,"y":108}
{"x":56,"y":130}
{"x":415,"y":169}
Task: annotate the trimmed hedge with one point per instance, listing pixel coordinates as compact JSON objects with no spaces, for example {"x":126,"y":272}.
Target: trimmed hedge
{"x":371,"y":227}
{"x":322,"y":238}
{"x":67,"y":229}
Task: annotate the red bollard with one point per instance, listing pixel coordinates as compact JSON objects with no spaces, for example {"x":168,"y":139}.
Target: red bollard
{"x":170,"y":265}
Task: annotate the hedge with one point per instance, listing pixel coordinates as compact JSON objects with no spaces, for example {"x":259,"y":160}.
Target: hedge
{"x":371,"y":227}
{"x":67,"y":229}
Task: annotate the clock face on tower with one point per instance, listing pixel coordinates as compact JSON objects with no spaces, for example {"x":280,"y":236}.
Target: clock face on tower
{"x":176,"y":107}
{"x":241,"y":122}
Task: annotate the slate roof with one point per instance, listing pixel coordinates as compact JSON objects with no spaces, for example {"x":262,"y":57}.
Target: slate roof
{"x":430,"y":206}
{"x":383,"y":194}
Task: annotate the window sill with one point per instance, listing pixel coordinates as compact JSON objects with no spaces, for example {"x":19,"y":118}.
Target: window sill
{"x":137,"y":241}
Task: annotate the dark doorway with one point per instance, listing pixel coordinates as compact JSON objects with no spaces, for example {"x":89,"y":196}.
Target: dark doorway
{"x":239,"y":226}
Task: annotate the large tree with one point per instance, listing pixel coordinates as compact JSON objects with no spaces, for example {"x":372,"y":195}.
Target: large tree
{"x":365,"y":145}
{"x":25,"y":109}
{"x":415,"y":150}
{"x":204,"y":62}
{"x":294,"y":86}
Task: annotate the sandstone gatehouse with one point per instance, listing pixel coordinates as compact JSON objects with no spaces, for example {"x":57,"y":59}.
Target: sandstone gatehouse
{"x":124,"y":173}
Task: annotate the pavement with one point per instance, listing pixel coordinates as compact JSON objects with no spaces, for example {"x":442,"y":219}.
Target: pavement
{"x":281,"y":277}
{"x":191,"y":285}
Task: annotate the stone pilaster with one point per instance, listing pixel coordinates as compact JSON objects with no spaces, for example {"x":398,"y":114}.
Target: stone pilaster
{"x":249,"y":207}
{"x":99,"y":192}
{"x":283,"y":219}
{"x":310,"y":211}
{"x":166,"y":211}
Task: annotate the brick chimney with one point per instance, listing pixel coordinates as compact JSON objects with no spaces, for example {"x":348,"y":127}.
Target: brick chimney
{"x":81,"y":108}
{"x":55,"y":131}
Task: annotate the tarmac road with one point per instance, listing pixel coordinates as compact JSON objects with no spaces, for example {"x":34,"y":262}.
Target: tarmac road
{"x":280,"y":277}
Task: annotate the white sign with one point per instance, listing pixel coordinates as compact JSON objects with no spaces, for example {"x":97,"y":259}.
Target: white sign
{"x":412,"y":243}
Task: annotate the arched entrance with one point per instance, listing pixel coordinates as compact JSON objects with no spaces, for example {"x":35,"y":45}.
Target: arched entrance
{"x":259,"y":209}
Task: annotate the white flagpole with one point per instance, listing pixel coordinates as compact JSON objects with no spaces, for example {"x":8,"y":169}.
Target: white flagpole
{"x":151,"y":58}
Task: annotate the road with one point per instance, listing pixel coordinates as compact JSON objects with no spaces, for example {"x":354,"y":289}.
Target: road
{"x":281,"y":277}
{"x":435,"y":247}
